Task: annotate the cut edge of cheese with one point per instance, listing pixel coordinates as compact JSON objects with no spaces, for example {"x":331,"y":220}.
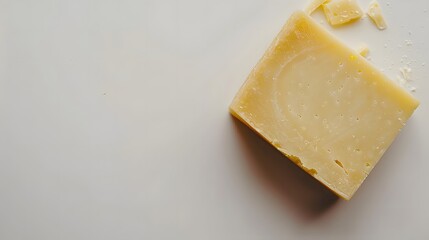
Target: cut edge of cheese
{"x":390,"y":88}
{"x":295,"y":159}
{"x":339,"y":12}
{"x":314,"y":4}
{"x":376,"y":15}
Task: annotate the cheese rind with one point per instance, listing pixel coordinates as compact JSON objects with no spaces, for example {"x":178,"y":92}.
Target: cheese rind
{"x":342,"y":11}
{"x":322,"y":105}
{"x":374,"y":12}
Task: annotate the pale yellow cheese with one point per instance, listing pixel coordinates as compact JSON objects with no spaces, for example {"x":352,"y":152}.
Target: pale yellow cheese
{"x":342,"y":11}
{"x":374,"y":12}
{"x":323,"y":105}
{"x":314,"y":4}
{"x":363,"y":50}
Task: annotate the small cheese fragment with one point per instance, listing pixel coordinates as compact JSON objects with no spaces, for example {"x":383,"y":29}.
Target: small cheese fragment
{"x":374,"y":12}
{"x":363,"y":50}
{"x":342,"y":11}
{"x":405,"y":79}
{"x":315,"y":4}
{"x":322,"y":105}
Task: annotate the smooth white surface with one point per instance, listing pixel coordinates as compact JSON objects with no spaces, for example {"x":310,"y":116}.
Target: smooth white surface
{"x":114,"y":125}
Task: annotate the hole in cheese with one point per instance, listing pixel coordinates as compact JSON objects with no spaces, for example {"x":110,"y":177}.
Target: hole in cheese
{"x":339,"y":163}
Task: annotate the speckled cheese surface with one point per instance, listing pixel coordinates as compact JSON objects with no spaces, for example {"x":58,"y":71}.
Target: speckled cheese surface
{"x":323,"y":105}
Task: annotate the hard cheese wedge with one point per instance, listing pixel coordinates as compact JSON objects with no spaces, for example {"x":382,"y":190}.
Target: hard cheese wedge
{"x":315,"y":4}
{"x":322,"y":105}
{"x":342,"y":11}
{"x":374,"y":12}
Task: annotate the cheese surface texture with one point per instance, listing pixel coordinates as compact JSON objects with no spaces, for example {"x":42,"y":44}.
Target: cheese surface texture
{"x":374,"y":12}
{"x":342,"y":11}
{"x":322,"y":105}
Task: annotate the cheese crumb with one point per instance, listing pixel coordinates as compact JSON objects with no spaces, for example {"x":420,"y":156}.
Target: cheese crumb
{"x":363,"y":50}
{"x":342,"y":11}
{"x":408,"y":42}
{"x":374,"y":12}
{"x":406,"y":73}
{"x":405,"y":79}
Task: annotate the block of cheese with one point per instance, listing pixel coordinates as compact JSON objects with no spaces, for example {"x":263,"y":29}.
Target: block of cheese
{"x":342,"y":11}
{"x":322,"y":105}
{"x":374,"y":12}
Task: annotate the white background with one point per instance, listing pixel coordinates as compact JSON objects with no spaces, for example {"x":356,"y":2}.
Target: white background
{"x":114,"y":124}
